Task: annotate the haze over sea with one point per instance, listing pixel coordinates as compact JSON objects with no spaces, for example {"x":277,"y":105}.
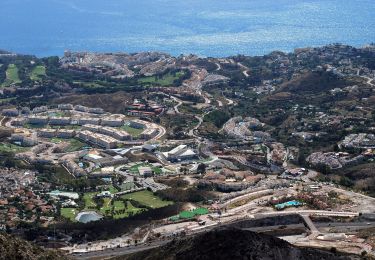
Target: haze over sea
{"x":204,"y":27}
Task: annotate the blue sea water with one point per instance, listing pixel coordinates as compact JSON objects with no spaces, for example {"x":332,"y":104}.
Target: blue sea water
{"x":204,"y":27}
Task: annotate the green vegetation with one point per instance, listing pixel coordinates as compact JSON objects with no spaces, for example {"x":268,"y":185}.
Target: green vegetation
{"x":12,"y":148}
{"x":122,"y":210}
{"x":117,"y":208}
{"x":38,"y":73}
{"x":94,"y":84}
{"x":162,"y":80}
{"x":88,"y":199}
{"x":106,"y":208}
{"x":33,"y":126}
{"x":6,"y":100}
{"x":188,"y":214}
{"x":188,"y":109}
{"x":134,"y":169}
{"x":59,"y":114}
{"x":69,"y":213}
{"x":56,"y":140}
{"x":135,"y":132}
{"x":217,"y":117}
{"x":112,"y":189}
{"x":147,"y":198}
{"x":12,"y":76}
{"x":74,"y":145}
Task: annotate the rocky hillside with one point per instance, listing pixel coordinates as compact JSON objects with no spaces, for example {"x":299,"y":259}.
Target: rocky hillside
{"x":233,"y":244}
{"x":16,"y":248}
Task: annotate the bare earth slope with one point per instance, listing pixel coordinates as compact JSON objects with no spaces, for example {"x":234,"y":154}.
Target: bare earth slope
{"x":232,"y":244}
{"x":16,"y":248}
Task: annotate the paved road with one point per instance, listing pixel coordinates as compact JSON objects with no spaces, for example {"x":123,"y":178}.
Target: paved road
{"x":263,"y":192}
{"x":118,"y":251}
{"x":1,"y":121}
{"x":139,"y":248}
{"x":369,"y":80}
{"x":218,"y":66}
{"x":245,"y":69}
{"x":314,"y":231}
{"x":310,"y":212}
{"x":192,"y":131}
{"x":179,"y":103}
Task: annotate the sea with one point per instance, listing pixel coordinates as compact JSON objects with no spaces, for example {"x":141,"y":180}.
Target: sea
{"x":208,"y":28}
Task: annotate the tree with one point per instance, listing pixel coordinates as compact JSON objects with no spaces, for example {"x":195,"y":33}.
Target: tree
{"x":201,"y":168}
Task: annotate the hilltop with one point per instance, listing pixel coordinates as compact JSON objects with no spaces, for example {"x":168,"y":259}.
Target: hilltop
{"x":233,"y":244}
{"x":15,"y":248}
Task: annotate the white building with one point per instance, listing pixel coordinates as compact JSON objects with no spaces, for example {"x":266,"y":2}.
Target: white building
{"x":145,"y":171}
{"x":96,"y":110}
{"x":98,"y":139}
{"x":65,"y":107}
{"x":40,"y":109}
{"x":180,"y":153}
{"x":47,"y":133}
{"x":81,"y":108}
{"x":24,"y":139}
{"x":65,"y":133}
{"x":10,"y":112}
{"x":149,"y":133}
{"x":115,"y":133}
{"x":88,"y":121}
{"x":112,"y":121}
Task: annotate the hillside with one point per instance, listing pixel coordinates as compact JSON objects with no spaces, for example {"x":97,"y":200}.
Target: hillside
{"x":232,"y":244}
{"x":16,"y":248}
{"x":313,"y":82}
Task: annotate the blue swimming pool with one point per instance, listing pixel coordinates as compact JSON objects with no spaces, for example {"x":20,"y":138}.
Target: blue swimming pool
{"x":292,"y":203}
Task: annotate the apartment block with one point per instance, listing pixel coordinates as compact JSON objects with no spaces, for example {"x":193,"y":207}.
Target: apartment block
{"x":88,"y":121}
{"x":38,"y":120}
{"x":47,"y":133}
{"x":59,"y":120}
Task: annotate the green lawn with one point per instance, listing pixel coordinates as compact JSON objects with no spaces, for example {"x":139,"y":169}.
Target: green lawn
{"x":117,"y":208}
{"x":120,"y":211}
{"x":69,"y":213}
{"x":134,"y":169}
{"x":12,"y":148}
{"x":38,"y":73}
{"x":89,"y":201}
{"x":112,"y":189}
{"x":165,"y":80}
{"x":90,"y":84}
{"x":132,"y":131}
{"x":12,"y":76}
{"x":56,"y":140}
{"x":75,"y":145}
{"x":106,"y":206}
{"x":147,"y":198}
